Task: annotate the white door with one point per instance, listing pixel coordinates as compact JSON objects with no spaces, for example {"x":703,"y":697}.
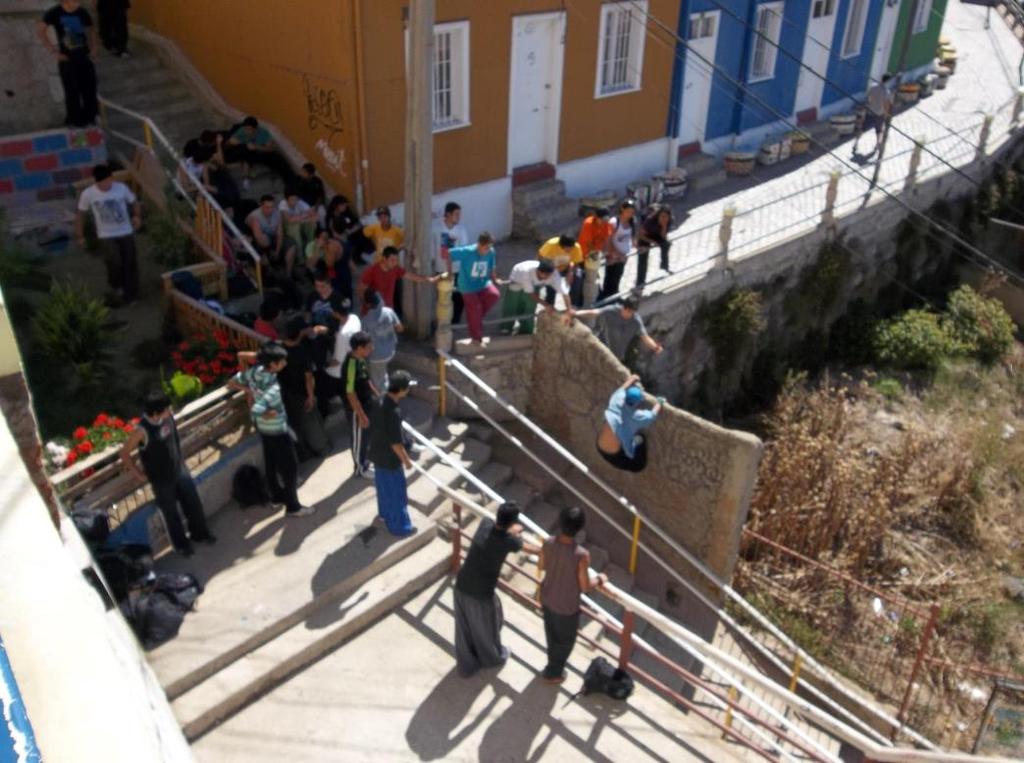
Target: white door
{"x":820,"y":26}
{"x":702,"y":39}
{"x":883,"y":40}
{"x":535,"y":92}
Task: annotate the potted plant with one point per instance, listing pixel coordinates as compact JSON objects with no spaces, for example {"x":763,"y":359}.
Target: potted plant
{"x":843,"y":124}
{"x":927,"y":83}
{"x":770,"y":151}
{"x":942,"y":77}
{"x":739,"y":162}
{"x":947,"y":57}
{"x":799,"y":142}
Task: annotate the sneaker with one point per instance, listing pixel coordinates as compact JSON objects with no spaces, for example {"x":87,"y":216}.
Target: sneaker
{"x":303,"y":511}
{"x":366,"y":474}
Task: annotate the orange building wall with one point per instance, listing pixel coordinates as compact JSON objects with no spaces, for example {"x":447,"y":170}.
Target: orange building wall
{"x":288,"y":62}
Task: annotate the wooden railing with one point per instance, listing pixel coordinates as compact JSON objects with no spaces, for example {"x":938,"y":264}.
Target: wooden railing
{"x":193,"y":317}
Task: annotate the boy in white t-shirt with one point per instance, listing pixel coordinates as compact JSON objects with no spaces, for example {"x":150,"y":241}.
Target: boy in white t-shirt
{"x":117,"y":215}
{"x":522,"y":297}
{"x":449,"y":234}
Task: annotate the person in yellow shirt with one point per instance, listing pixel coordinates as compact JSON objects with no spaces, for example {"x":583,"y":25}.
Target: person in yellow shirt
{"x":383,"y":233}
{"x":567,"y":256}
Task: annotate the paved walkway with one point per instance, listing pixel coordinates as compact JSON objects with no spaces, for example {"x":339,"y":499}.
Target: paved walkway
{"x":392,"y":694}
{"x":790,"y":204}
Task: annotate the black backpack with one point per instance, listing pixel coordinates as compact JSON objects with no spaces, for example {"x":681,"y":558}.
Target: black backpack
{"x":93,"y":526}
{"x":604,"y":677}
{"x":124,"y":567}
{"x":248,"y":487}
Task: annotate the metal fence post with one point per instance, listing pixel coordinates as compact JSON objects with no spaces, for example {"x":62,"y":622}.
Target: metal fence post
{"x":794,"y":679}
{"x":986,"y":129}
{"x":148,"y":132}
{"x":915,"y":162}
{"x":634,"y":547}
{"x":626,"y":645}
{"x":926,"y":637}
{"x":442,"y":389}
{"x":443,"y":339}
{"x":591,"y":266}
{"x":457,"y":539}
{"x":728,"y":710}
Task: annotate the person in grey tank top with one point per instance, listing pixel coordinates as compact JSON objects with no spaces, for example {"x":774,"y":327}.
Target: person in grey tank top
{"x":565,"y":565}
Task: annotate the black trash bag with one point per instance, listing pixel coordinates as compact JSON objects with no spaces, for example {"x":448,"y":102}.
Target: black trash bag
{"x":93,"y":526}
{"x":124,"y":567}
{"x":156,"y":618}
{"x":183,"y":588}
{"x":607,"y":679}
{"x":248,"y":487}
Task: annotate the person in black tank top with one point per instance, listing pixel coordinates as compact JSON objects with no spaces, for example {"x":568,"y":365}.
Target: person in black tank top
{"x":163,"y":466}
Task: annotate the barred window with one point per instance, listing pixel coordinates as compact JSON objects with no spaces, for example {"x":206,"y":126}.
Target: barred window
{"x":621,"y":50}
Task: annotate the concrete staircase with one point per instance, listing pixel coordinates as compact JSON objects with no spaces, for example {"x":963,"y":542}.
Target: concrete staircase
{"x":541,"y":210}
{"x":703,"y":172}
{"x":147,"y":84}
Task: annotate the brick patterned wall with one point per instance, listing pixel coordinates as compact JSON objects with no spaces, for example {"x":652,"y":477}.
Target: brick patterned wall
{"x":44,"y":166}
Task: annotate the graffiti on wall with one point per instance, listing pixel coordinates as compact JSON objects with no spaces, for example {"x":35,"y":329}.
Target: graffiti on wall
{"x":325,"y":117}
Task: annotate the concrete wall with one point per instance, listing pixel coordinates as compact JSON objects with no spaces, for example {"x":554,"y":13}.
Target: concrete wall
{"x":699,"y":478}
{"x":30,"y":94}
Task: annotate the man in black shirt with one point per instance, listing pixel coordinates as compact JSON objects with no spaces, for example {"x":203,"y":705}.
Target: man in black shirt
{"x":389,"y":457}
{"x":298,"y":391}
{"x":311,"y":187}
{"x":75,"y":51}
{"x":478,"y":614}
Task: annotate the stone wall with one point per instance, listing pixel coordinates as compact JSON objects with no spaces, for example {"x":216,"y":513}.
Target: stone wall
{"x":30,"y":93}
{"x":699,"y":477}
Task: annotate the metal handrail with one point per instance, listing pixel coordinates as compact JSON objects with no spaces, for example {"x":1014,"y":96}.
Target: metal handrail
{"x":151,"y":129}
{"x":753,"y":612}
{"x":706,"y":652}
{"x":621,"y":597}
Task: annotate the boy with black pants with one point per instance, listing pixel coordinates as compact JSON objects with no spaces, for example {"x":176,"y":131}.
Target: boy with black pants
{"x":359,"y":394}
{"x":259,"y":382}
{"x":156,"y":437}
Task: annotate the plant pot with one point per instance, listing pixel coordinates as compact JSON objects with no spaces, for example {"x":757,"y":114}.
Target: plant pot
{"x":769,"y":153}
{"x":785,"y":149}
{"x":945,"y":41}
{"x":948,"y":60}
{"x":739,"y":162}
{"x":673,"y":182}
{"x":843,"y":124}
{"x":927,"y":83}
{"x":942,"y":74}
{"x":799,"y":142}
{"x":910,"y":92}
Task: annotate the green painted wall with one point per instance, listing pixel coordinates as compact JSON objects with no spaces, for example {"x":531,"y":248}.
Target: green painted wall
{"x":923,"y":44}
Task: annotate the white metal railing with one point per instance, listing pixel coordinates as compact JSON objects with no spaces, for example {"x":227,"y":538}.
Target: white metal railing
{"x":151,"y":132}
{"x":712,"y":656}
{"x":822,"y":672}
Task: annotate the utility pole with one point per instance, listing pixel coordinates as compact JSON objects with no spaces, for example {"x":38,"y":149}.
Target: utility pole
{"x":419,"y":164}
{"x":908,"y":32}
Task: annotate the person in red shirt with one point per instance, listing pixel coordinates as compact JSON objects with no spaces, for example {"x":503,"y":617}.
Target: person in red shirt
{"x":594,"y":234}
{"x":266,"y":324}
{"x":383,"y":275}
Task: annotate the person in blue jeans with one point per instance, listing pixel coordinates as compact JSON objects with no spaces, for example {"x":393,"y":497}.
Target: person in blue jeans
{"x":621,"y":441}
{"x":390,"y":458}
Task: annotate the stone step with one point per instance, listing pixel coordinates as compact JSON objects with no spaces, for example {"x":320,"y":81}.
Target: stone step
{"x":708,"y":178}
{"x":700,"y":162}
{"x":156,"y":95}
{"x":470,"y":454}
{"x":622,"y":580}
{"x":598,"y":557}
{"x":544,"y":514}
{"x":537,"y":195}
{"x":344,"y":612}
{"x":494,"y":475}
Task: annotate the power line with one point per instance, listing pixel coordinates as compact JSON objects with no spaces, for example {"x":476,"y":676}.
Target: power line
{"x":786,"y":120}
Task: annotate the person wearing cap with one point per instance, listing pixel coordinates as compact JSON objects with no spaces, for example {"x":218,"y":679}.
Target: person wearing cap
{"x":522,"y":297}
{"x":384,"y":233}
{"x":621,"y":441}
{"x":117,"y":214}
{"x":383,"y":326}
{"x":478,"y":282}
{"x":258,"y":379}
{"x":389,"y":457}
{"x":621,"y":241}
{"x":617,"y":325}
{"x":567,"y":257}
{"x":478,"y":613}
{"x":298,"y":390}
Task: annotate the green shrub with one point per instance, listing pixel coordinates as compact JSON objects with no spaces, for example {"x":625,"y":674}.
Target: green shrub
{"x":182,"y":388}
{"x":169,"y":243}
{"x":732,"y":321}
{"x":888,"y":387}
{"x":979,"y":326}
{"x":914,"y":340}
{"x":75,"y":327}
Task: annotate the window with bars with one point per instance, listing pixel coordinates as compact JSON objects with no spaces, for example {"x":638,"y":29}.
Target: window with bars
{"x":620,"y":54}
{"x":766,"y":41}
{"x":853,"y":38}
{"x":450,"y":75}
{"x":923,"y":16}
{"x":702,"y":26}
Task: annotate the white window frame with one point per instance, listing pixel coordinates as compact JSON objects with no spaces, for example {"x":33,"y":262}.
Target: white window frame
{"x":771,"y":44}
{"x":704,"y":22}
{"x":458,"y":84}
{"x":923,"y":17}
{"x":628,"y":72}
{"x":853,"y":37}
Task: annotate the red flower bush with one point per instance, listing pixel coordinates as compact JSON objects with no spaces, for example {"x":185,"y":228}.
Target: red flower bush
{"x":209,"y":356}
{"x":106,"y":432}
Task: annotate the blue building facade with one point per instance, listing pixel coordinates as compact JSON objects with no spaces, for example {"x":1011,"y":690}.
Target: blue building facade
{"x":755,"y":87}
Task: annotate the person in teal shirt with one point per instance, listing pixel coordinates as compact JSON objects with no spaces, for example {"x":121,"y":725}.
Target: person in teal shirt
{"x":251,"y":144}
{"x":478,"y":283}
